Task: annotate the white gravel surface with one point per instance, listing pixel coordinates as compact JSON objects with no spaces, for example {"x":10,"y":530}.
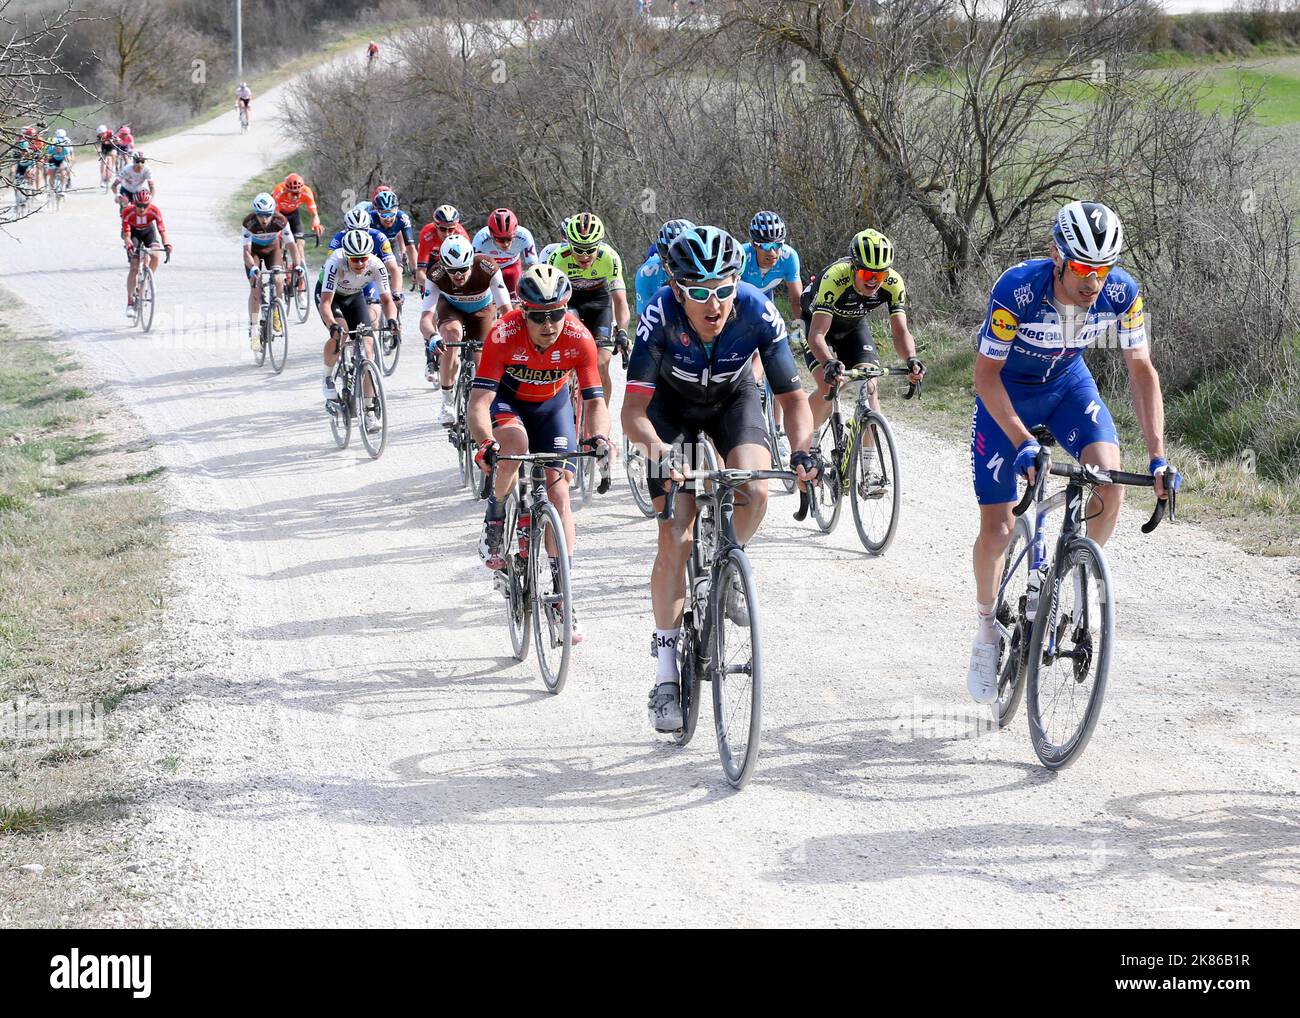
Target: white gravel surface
{"x":357,"y":746}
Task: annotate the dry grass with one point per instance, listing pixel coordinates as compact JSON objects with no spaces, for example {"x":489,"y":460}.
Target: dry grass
{"x":83,"y":556}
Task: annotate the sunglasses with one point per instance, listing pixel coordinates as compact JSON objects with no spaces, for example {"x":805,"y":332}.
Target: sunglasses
{"x":554,"y":315}
{"x":358,"y":263}
{"x":1084,"y":269}
{"x":583,"y":252}
{"x":460,"y":272}
{"x":771,"y":245}
{"x":870,"y":276}
{"x":701,"y":294}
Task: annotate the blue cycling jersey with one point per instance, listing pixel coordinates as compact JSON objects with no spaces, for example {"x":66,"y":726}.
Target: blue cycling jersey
{"x":383,"y":249}
{"x":1023,"y":329}
{"x":401,"y":225}
{"x":58,"y":153}
{"x":649,"y":278}
{"x":785,"y":270}
{"x":670,"y":355}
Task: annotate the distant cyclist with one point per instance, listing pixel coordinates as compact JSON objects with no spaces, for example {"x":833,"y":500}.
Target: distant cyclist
{"x":244,"y":100}
{"x":133,"y":178}
{"x":142,"y":223}
{"x":445,"y":223}
{"x":59,"y":157}
{"x":652,"y":275}
{"x":1042,"y":315}
{"x":266,"y":238}
{"x":508,"y":244}
{"x":770,"y":262}
{"x":396,"y":227}
{"x":292,"y":195}
{"x":105,"y":141}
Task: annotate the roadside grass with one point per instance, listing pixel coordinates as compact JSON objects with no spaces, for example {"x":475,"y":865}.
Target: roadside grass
{"x":1279,"y":94}
{"x":1252,"y":500}
{"x":83,"y":559}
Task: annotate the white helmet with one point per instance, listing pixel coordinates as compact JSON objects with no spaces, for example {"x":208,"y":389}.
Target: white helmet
{"x":357,"y":218}
{"x":60,"y":135}
{"x":264,"y":204}
{"x":101,"y":129}
{"x":1087,"y":231}
{"x":358,"y":244}
{"x":456,"y":253}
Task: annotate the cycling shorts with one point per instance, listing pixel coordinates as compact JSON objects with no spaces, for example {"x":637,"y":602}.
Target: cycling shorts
{"x":598,"y":317}
{"x":550,"y":425}
{"x":1073,"y":410}
{"x":475,"y":324}
{"x":737,"y":420}
{"x":851,"y":343}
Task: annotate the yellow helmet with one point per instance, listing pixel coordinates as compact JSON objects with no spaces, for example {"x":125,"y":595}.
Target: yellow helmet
{"x":872,"y":250}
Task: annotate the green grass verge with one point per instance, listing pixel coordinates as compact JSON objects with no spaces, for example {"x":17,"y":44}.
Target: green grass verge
{"x":1279,"y":94}
{"x":83,"y":561}
{"x":1253,"y":501}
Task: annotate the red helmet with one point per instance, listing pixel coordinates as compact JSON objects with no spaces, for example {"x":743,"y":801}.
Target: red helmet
{"x":143,"y":197}
{"x":502,"y":224}
{"x":293,"y":182}
{"x":30,"y":132}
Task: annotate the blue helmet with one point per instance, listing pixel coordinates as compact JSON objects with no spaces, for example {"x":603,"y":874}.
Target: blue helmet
{"x":767,"y":228}
{"x":702,"y":253}
{"x":386,"y":201}
{"x":669,"y":232}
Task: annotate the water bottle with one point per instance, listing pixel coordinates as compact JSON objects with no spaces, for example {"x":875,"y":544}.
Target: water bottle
{"x":522,"y":527}
{"x":1032,"y":590}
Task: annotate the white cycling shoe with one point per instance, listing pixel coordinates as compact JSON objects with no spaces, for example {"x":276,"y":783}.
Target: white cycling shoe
{"x":982,"y":675}
{"x":665,"y":709}
{"x":446,"y":414}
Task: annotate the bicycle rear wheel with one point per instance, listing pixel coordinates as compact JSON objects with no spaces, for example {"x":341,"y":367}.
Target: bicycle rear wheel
{"x":1009,"y":611}
{"x":737,"y":670}
{"x":1069,"y":655}
{"x":144,"y":302}
{"x":873,"y":484}
{"x":389,"y":349}
{"x":779,"y":462}
{"x":827,"y":492}
{"x":516,"y":576}
{"x":301,"y":298}
{"x":638,"y":472}
{"x":552,"y":599}
{"x":278,"y":345}
{"x":376,"y":442}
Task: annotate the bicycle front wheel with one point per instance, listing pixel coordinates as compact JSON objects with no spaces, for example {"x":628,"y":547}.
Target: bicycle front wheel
{"x":688,"y":683}
{"x":638,"y":473}
{"x":1069,"y":654}
{"x":737,"y":670}
{"x":552,"y":598}
{"x":873,"y":484}
{"x":144,"y":302}
{"x":278,"y":334}
{"x":301,"y":298}
{"x":779,"y":462}
{"x":376,"y":440}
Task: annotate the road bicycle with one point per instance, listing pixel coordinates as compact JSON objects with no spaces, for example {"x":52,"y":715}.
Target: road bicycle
{"x":143,"y":296}
{"x":272,"y":323}
{"x":243,"y":118}
{"x":860,"y":459}
{"x":1056,"y":618}
{"x":535,"y":579}
{"x":775,"y":433}
{"x":721,"y":636}
{"x":353,"y":369}
{"x":458,"y":430}
{"x":388,"y":344}
{"x":589,"y":477}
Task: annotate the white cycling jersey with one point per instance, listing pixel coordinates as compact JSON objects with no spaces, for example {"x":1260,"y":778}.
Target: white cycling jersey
{"x":131,"y":179}
{"x":339,"y":277}
{"x":549,"y":250}
{"x":522,"y":247}
{"x":243,"y":93}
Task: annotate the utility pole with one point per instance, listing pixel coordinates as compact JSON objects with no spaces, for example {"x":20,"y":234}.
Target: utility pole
{"x":239,"y":39}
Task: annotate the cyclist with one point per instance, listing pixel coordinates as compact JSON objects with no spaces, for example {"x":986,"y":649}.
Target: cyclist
{"x":265,"y":232}
{"x":1043,"y":313}
{"x":509,"y":245}
{"x":124,"y":140}
{"x":520,"y":401}
{"x":770,"y":261}
{"x":291,"y":196}
{"x":396,"y":227}
{"x":652,"y":275}
{"x":544,"y":255}
{"x":59,"y":157}
{"x":26,"y":156}
{"x":358,"y":218}
{"x":835,"y":307}
{"x":104,"y":139}
{"x":135,"y":177}
{"x":348,"y":271}
{"x":445,"y":223}
{"x":689,"y":373}
{"x":595,"y":272}
{"x":372,"y":54}
{"x":458,"y":306}
{"x":142,"y":223}
{"x":244,"y":100}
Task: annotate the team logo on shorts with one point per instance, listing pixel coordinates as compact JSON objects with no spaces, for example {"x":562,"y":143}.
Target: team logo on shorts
{"x":1072,"y":437}
{"x":1004,"y":325}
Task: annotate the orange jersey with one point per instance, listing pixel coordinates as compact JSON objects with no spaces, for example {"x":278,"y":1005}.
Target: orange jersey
{"x":524,"y":373}
{"x":286,"y":201}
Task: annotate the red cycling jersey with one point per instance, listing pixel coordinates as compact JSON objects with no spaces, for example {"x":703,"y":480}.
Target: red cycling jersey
{"x":430,"y":239}
{"x":135,"y":218}
{"x":518,"y":370}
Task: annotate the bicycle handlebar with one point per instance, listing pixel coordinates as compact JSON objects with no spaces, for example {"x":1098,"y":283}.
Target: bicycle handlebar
{"x":873,"y":371}
{"x":726,"y":478}
{"x":1166,"y":506}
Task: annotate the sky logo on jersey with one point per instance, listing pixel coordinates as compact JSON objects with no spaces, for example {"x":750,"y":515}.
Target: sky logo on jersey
{"x":1004,"y":324}
{"x":995,"y":465}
